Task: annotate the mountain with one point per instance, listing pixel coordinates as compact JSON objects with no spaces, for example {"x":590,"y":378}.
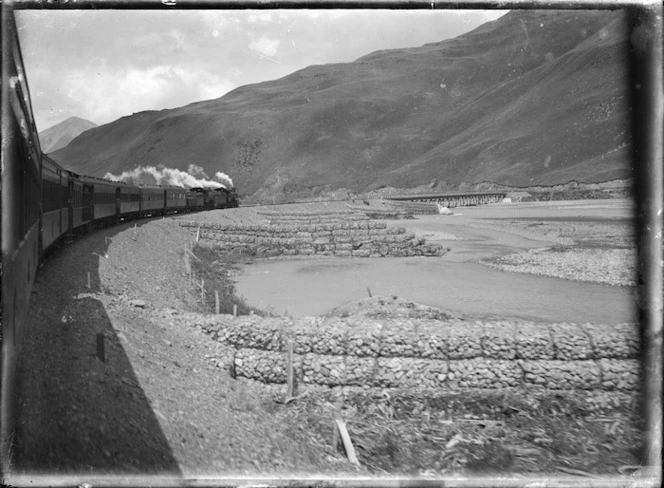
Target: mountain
{"x":59,"y":135}
{"x":533,"y":98}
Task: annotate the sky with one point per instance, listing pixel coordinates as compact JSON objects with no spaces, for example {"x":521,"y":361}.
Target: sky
{"x":103,"y":65}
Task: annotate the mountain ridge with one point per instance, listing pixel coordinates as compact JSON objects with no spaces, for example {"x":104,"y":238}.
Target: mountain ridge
{"x":59,"y":135}
{"x":532,"y":98}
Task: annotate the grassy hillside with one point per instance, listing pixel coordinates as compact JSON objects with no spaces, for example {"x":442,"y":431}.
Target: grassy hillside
{"x":534,"y":98}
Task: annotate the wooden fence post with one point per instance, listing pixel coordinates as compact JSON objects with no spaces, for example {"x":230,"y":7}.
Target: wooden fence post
{"x":345,"y":437}
{"x":216,"y":301}
{"x":100,"y":347}
{"x":187,"y":263}
{"x":290,"y":391}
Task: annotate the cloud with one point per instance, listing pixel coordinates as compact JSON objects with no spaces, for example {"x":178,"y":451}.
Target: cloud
{"x":104,"y":93}
{"x":265,"y":46}
{"x":179,"y":39}
{"x":165,"y":59}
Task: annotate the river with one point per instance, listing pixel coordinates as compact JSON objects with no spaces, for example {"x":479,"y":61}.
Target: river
{"x":454,"y":281}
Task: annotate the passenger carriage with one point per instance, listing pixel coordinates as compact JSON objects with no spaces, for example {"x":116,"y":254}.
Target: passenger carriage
{"x":129,"y":197}
{"x":21,"y":200}
{"x":175,"y":199}
{"x":80,"y":210}
{"x":105,"y":201}
{"x":55,"y":202}
{"x":153,"y":200}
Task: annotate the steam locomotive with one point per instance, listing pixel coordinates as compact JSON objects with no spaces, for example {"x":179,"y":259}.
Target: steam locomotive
{"x":217,"y":197}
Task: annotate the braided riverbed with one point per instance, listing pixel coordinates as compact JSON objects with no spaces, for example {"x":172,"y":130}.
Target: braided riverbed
{"x":565,"y":285}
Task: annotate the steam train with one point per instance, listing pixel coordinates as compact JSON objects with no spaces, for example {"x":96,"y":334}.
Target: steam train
{"x":42,"y":203}
{"x":72,"y":202}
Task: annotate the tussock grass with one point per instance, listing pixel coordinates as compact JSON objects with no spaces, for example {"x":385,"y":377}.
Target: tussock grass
{"x":476,"y":432}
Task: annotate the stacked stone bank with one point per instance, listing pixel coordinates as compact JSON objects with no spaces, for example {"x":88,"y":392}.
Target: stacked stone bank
{"x":359,"y":237}
{"x":388,"y":213}
{"x":332,"y":217}
{"x":452,"y":353}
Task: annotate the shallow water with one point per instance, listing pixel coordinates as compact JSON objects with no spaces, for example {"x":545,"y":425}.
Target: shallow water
{"x":314,"y":286}
{"x":455,"y":282}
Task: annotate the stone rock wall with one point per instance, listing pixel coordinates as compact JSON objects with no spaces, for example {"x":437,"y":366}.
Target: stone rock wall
{"x":278,"y":218}
{"x":361,"y":238}
{"x":451,"y":353}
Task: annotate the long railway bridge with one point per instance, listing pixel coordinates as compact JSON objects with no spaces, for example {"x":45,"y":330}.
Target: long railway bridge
{"x":448,"y":200}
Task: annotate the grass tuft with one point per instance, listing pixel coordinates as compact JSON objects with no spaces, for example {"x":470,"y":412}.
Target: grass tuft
{"x":217,"y":270}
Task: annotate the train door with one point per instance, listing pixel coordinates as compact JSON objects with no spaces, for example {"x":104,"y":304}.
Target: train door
{"x":88,"y":210}
{"x":141,"y":200}
{"x":70,"y":206}
{"x":117,"y":201}
{"x":58,"y":199}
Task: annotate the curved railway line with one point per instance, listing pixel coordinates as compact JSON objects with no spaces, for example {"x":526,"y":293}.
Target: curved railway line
{"x":43,"y":203}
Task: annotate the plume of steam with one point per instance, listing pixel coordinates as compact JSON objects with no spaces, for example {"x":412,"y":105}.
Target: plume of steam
{"x":197,"y":171}
{"x":225,"y":179}
{"x":161,"y":175}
